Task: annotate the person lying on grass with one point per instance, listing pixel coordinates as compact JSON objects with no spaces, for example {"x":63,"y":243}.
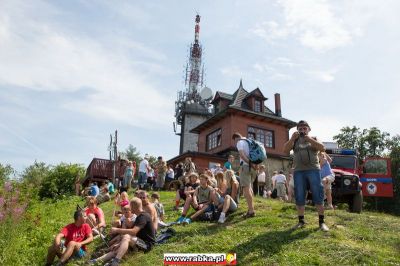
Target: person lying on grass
{"x":76,"y":235}
{"x":141,"y":236}
{"x":95,"y":216}
{"x":226,"y":197}
{"x":200,"y":201}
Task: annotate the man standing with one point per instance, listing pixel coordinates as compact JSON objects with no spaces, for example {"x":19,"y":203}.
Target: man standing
{"x":161,"y":172}
{"x":76,"y":235}
{"x":247,"y":172}
{"x":143,"y":169}
{"x":306,"y":170}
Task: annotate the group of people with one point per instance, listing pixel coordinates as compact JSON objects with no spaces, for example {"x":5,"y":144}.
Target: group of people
{"x":217,"y":189}
{"x":133,"y":226}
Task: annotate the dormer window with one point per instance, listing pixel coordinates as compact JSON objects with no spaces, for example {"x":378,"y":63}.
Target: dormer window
{"x":257,"y":106}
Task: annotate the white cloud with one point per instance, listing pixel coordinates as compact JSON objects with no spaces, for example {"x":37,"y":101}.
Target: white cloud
{"x":271,"y":72}
{"x":41,"y":55}
{"x":312,"y":22}
{"x":232,"y":71}
{"x":320,"y":75}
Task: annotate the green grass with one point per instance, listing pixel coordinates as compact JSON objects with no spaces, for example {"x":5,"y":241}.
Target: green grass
{"x":368,"y":239}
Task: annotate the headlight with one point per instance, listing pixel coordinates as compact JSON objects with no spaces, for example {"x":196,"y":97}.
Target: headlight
{"x":347,"y":182}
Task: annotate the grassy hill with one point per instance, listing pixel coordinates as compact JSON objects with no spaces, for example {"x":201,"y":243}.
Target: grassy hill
{"x":367,"y":238}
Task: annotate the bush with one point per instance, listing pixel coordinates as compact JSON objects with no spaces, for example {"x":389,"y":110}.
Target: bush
{"x":60,"y":181}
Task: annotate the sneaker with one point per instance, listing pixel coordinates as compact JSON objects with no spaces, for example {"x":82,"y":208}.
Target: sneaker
{"x":93,"y":261}
{"x":115,"y":262}
{"x":329,"y":207}
{"x":323,"y":227}
{"x":222,"y":218}
{"x":180,"y":219}
{"x":186,"y":221}
{"x":299,"y":225}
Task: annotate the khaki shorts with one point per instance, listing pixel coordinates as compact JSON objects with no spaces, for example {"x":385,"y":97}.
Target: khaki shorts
{"x":281,"y":190}
{"x":247,"y":176}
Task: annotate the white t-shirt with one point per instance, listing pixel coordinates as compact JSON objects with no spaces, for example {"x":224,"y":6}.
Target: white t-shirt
{"x":261,"y":177}
{"x":143,"y":166}
{"x":242,"y":145}
{"x":280,"y":178}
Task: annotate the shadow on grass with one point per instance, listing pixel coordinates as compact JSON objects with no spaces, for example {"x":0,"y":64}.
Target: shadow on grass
{"x":267,"y":244}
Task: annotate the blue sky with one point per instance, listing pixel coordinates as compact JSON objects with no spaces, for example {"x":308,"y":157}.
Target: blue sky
{"x":71,"y":72}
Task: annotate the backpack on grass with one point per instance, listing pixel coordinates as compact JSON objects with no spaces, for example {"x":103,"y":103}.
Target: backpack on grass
{"x":257,"y":152}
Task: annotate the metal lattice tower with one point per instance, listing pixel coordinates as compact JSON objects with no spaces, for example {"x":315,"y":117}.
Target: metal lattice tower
{"x":192,"y":106}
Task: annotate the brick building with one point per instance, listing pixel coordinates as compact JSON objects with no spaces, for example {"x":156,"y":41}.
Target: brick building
{"x":244,"y":112}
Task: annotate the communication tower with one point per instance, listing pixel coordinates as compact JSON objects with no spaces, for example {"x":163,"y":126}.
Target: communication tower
{"x":192,"y":106}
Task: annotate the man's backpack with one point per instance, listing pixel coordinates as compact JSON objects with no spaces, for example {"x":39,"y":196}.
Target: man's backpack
{"x":257,"y":152}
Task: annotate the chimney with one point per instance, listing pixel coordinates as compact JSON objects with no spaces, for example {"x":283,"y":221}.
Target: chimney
{"x":278,"y":110}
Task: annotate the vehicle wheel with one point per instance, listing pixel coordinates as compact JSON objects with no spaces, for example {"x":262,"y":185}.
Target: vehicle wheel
{"x":356,"y":203}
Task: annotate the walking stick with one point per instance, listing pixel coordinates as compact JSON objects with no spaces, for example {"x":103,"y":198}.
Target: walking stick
{"x":92,"y":225}
{"x":115,"y":206}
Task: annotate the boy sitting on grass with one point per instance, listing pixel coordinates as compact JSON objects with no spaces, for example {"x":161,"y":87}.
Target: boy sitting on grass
{"x":76,"y":236}
{"x":200,"y":201}
{"x":141,"y":236}
{"x":155,"y":198}
{"x":125,"y":222}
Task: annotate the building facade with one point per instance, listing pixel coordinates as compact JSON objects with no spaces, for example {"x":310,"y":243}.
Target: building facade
{"x":244,"y":112}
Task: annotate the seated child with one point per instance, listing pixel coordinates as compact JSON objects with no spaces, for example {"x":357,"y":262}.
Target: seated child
{"x":200,"y":201}
{"x":126,"y":222}
{"x":190,"y":185}
{"x":155,"y":198}
{"x":121,"y":200}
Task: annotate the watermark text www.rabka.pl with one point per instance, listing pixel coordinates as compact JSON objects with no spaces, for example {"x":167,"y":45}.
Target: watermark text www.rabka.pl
{"x":200,"y":258}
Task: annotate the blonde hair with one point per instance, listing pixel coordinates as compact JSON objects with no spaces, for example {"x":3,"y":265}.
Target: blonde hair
{"x":136,"y":203}
{"x":124,"y":195}
{"x":91,"y":199}
{"x":230,"y":177}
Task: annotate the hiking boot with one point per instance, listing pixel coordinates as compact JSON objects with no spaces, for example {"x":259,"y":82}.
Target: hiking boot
{"x":299,"y":225}
{"x":180,"y":220}
{"x":249,"y":215}
{"x":222,"y":218}
{"x":323,"y":227}
{"x":186,"y":221}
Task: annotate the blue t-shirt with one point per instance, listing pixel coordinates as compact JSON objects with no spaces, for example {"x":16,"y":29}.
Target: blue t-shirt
{"x":129,"y":172}
{"x":228,"y":165}
{"x":326,"y":170}
{"x":94,"y":190}
{"x":110,"y":187}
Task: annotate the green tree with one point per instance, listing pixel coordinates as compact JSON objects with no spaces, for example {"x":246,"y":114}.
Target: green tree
{"x":375,"y":141}
{"x":132,"y":154}
{"x":60,"y":180}
{"x":35,"y":173}
{"x":6,"y":173}
{"x":348,"y":137}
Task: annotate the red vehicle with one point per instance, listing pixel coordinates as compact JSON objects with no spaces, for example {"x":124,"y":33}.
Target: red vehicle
{"x":353,"y":182}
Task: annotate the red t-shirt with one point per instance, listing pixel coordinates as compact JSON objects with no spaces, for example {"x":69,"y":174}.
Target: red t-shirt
{"x":96,"y":211}
{"x":74,"y":233}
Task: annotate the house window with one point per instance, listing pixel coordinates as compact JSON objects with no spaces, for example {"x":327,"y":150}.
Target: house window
{"x":214,"y":139}
{"x":264,"y":136}
{"x":257,"y":106}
